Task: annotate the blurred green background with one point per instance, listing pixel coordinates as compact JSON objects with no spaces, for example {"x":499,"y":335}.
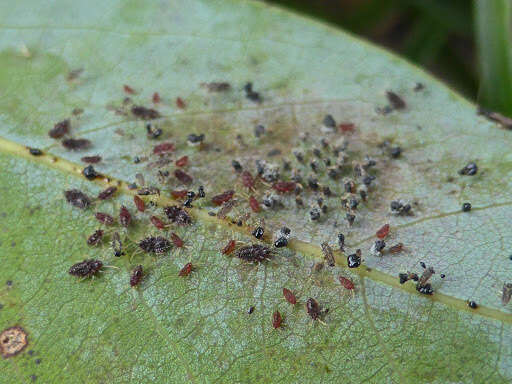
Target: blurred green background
{"x":466,"y":44}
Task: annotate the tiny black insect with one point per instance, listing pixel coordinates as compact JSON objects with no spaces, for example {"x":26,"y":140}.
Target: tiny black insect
{"x":35,"y":151}
{"x":472,"y":304}
{"x":350,"y":218}
{"x":399,"y":208}
{"x":333,"y":173}
{"x":367,"y":180}
{"x":423,"y":286}
{"x":117,"y":245}
{"x":194,"y":139}
{"x":404,"y":277}
{"x":299,"y":156}
{"x":191,"y":194}
{"x":395,"y":152}
{"x":153,"y":133}
{"x":254,"y":253}
{"x":353,"y":203}
{"x":326,"y":191}
{"x":85,"y":268}
{"x":313,"y":183}
{"x":364,"y":194}
{"x":200,"y":192}
{"x":329,"y":122}
{"x":258,"y":232}
{"x":251,"y":310}
{"x":395,"y":205}
{"x":259,"y":130}
{"x":341,"y":241}
{"x":90,"y":173}
{"x":285,"y":231}
{"x":354,"y":260}
{"x":470,"y":169}
{"x":314,"y":214}
{"x":251,"y":94}
{"x":281,"y":242}
{"x":236,"y":165}
{"x":418,"y":87}
{"x":377,"y":247}
{"x":425,"y":289}
{"x":466,"y":207}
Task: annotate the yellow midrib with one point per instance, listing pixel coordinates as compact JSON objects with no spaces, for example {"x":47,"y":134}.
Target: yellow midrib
{"x":308,"y":249}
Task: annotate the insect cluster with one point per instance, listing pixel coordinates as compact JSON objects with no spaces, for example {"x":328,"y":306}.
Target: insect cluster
{"x":320,"y":177}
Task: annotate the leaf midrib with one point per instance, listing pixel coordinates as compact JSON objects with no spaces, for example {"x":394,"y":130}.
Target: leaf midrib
{"x":309,"y":250}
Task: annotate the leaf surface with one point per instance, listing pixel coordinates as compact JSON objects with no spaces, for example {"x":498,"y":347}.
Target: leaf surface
{"x":61,"y":57}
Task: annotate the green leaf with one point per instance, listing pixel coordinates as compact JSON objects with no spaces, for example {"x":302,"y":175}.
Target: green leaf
{"x":197,"y":329}
{"x":494,"y":40}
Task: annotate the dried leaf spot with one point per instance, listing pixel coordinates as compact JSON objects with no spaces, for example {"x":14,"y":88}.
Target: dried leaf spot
{"x":12,"y":341}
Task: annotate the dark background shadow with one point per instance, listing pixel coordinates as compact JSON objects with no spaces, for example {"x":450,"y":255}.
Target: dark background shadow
{"x":435,"y":34}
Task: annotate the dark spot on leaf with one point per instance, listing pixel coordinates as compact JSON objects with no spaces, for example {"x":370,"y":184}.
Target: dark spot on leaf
{"x":217,"y":86}
{"x":76,"y":144}
{"x":59,"y":130}
{"x":163,"y":148}
{"x":183,"y":177}
{"x":91,"y":159}
{"x":145,"y":113}
{"x":396,"y":101}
